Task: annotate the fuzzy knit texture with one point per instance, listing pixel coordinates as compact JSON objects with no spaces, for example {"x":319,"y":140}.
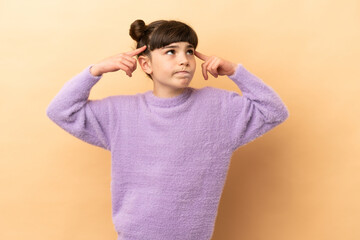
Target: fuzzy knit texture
{"x":169,"y":156}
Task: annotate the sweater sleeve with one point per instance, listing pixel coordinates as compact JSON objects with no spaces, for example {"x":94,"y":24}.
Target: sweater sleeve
{"x":85,"y":119}
{"x":257,"y":111}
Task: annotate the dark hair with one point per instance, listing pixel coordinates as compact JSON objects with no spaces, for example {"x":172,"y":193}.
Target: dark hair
{"x":160,"y":33}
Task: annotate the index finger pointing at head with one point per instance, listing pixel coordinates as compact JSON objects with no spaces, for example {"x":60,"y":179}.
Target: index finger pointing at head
{"x":137,"y":51}
{"x":201,"y":56}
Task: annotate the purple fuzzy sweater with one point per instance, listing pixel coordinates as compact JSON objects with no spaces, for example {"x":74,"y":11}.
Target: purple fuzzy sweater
{"x":169,"y":156}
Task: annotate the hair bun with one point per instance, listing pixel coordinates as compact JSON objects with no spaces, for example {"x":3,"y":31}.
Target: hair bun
{"x":137,"y":29}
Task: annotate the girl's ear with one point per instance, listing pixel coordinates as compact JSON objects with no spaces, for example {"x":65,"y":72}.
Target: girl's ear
{"x":145,"y":64}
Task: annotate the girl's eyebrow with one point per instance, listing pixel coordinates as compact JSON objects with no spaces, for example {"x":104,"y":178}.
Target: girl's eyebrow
{"x":175,"y":46}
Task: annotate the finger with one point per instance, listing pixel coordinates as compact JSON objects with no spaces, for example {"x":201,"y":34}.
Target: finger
{"x":203,"y":68}
{"x":130,"y":62}
{"x":136,"y":51}
{"x":125,"y":68}
{"x":201,"y":56}
{"x":213,"y":67}
{"x":208,"y":66}
{"x":129,"y":65}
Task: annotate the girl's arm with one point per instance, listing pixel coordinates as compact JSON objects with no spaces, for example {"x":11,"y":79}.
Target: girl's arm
{"x":257,"y":111}
{"x":73,"y":112}
{"x":89,"y":120}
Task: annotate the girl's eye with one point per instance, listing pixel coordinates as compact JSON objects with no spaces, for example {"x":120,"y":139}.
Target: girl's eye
{"x":170,"y":51}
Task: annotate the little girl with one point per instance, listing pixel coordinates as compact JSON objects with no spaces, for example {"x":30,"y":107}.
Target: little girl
{"x":170,"y":147}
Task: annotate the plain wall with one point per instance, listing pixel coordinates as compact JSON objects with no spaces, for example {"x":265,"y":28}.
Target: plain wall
{"x":298,"y":181}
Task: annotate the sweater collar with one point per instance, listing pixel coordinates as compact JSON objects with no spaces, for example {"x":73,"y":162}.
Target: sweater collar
{"x":167,"y":102}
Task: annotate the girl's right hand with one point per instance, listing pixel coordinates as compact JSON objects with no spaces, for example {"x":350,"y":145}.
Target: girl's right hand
{"x":123,"y":61}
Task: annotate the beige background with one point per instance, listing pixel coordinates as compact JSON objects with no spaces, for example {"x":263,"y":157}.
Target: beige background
{"x":299,"y":181}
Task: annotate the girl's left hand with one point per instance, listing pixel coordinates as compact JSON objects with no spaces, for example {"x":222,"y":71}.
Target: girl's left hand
{"x":215,"y":66}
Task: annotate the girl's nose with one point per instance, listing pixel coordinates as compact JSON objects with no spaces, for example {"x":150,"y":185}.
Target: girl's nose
{"x":183,"y":60}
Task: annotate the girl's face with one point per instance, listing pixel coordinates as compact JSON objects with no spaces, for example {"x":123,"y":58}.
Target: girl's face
{"x":173,"y":66}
